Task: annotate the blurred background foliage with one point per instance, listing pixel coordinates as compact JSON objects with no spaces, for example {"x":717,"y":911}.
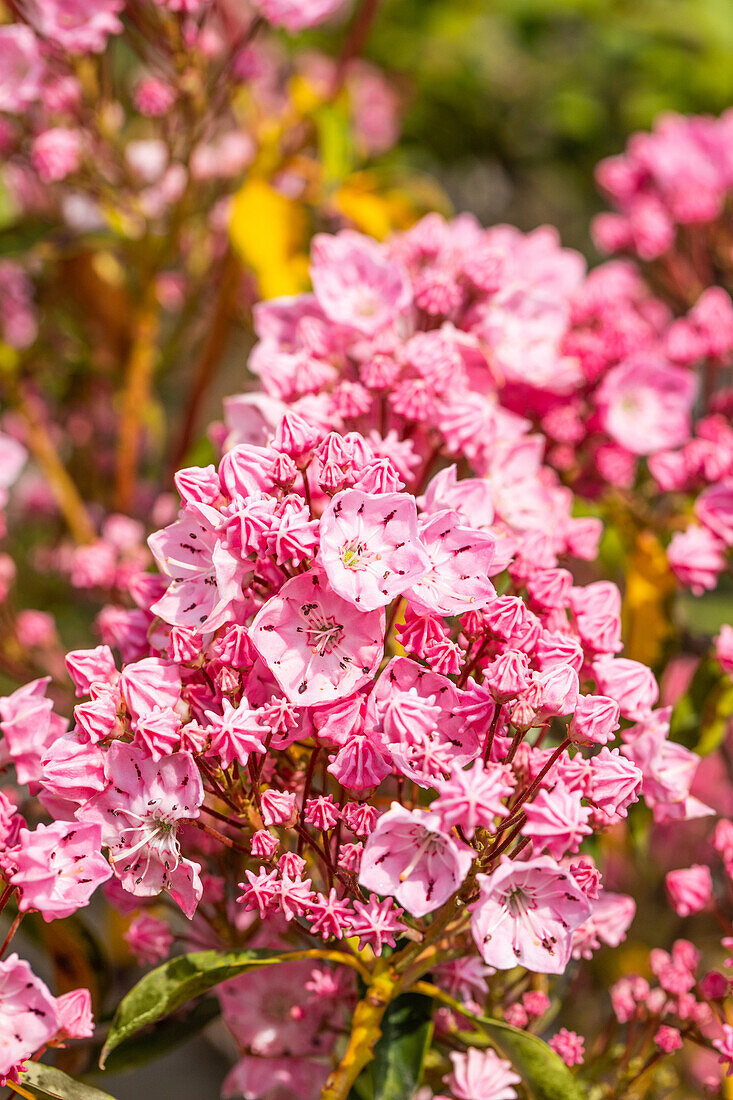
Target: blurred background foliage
{"x":511,"y":103}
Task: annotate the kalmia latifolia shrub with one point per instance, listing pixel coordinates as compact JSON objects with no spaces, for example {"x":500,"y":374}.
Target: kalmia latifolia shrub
{"x":369,"y":720}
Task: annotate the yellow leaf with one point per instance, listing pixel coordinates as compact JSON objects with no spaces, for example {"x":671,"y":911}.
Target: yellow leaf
{"x":369,"y":212}
{"x":268,"y":231}
{"x":649,"y":586}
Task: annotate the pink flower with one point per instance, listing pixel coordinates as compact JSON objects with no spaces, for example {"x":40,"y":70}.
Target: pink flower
{"x":355,"y":281}
{"x":35,"y":629}
{"x":262,"y":1078}
{"x":460,"y":561}
{"x":296,"y":15}
{"x":29,"y":727}
{"x":79,"y":26}
{"x":714,"y":509}
{"x":90,"y":666}
{"x":614,"y":782}
{"x":59,"y":868}
{"x":148,"y":686}
{"x":645,"y":404}
{"x":159,"y":733}
{"x":153,"y":97}
{"x":206,"y":577}
{"x":697,"y":558}
{"x":370,"y":547}
{"x":526,"y":914}
{"x":266,"y":1010}
{"x":570,"y":1046}
{"x":140,"y":813}
{"x":724,"y":648}
{"x":149,"y":939}
{"x":595,"y":719}
{"x":536,"y":1002}
{"x":329,"y":915}
{"x":472,"y":798}
{"x":631,"y":684}
{"x":235,"y":733}
{"x":278,"y":807}
{"x":668,"y":1039}
{"x":376,"y":923}
{"x":316,"y":644}
{"x":75,"y":1015}
{"x":55,"y":154}
{"x":690,"y":889}
{"x":725,"y":1046}
{"x":608,"y":924}
{"x":556,"y":821}
{"x":29,"y":1017}
{"x":21,"y":67}
{"x":482,"y":1075}
{"x":411,"y":858}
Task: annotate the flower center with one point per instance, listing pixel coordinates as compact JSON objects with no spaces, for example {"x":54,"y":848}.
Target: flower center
{"x":355,"y":555}
{"x":323,"y":634}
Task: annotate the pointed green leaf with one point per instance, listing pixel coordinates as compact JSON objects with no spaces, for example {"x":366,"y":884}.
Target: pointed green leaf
{"x":163,"y":1038}
{"x":543,"y":1073}
{"x":407,"y":1029}
{"x":179,"y":980}
{"x":49,"y":1083}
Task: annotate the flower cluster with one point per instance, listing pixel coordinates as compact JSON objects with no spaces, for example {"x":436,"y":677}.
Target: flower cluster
{"x":333,"y":694}
{"x":670,"y":189}
{"x":454,"y":340}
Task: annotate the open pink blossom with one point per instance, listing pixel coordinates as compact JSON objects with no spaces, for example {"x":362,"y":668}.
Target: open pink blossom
{"x":608,"y":924}
{"x":79,"y":26}
{"x":21,"y":67}
{"x":457,"y":578}
{"x":316,"y":644}
{"x":355,"y":281}
{"x":482,"y":1075}
{"x":206,"y":577}
{"x":59,"y":867}
{"x":256,"y":1077}
{"x":266,"y":1011}
{"x":370,"y":547}
{"x":645,"y":404}
{"x":140,"y":813}
{"x":410,"y":857}
{"x":296,"y":15}
{"x":29,"y":1017}
{"x":525,"y":915}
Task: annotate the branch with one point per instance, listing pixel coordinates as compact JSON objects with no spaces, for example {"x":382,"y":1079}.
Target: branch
{"x":59,"y":480}
{"x":135,"y":398}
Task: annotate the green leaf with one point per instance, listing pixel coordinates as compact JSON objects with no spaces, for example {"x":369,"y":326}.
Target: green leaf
{"x":179,"y":980}
{"x":21,"y":237}
{"x":166,"y":1036}
{"x":543,"y":1073}
{"x":49,"y":1083}
{"x":407,"y":1029}
{"x":701,"y":717}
